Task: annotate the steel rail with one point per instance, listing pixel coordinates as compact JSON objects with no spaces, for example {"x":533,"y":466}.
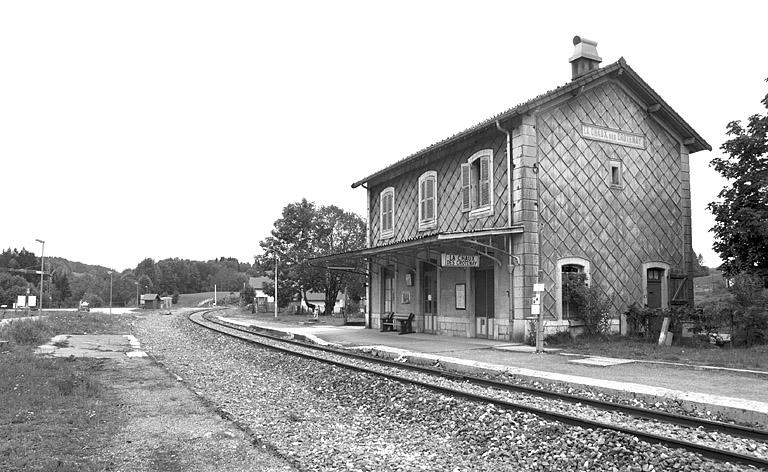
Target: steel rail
{"x":706,"y":451}
{"x":639,"y":412}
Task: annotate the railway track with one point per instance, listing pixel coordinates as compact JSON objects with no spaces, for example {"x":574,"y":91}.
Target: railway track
{"x":634,"y":421}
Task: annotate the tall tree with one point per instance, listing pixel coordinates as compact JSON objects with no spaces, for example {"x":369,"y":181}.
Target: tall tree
{"x":741,"y":216}
{"x":305,"y":231}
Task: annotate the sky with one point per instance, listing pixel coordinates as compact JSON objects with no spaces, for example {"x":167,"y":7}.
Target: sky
{"x":182,"y":128}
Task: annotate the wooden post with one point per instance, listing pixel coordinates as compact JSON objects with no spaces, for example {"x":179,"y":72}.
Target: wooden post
{"x":664,"y":329}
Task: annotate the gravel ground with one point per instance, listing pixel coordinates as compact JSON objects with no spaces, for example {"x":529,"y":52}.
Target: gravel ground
{"x":321,"y":417}
{"x":712,"y":439}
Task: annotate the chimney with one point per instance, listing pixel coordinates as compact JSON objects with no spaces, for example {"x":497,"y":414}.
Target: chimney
{"x":584,"y":57}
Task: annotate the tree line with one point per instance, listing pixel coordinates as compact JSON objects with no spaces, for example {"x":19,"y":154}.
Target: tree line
{"x":67,"y":282}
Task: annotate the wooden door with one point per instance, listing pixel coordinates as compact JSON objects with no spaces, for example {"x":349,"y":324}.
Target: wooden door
{"x":429,"y":296}
{"x":484,"y":302}
{"x":654,"y":288}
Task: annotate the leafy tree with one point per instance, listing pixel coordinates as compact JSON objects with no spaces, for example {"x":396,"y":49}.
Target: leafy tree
{"x":11,"y":286}
{"x":61,"y":290}
{"x":741,"y":217}
{"x":699,"y":269}
{"x":305,"y":231}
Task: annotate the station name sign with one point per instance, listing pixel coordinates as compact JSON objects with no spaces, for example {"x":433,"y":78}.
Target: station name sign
{"x":613,"y":136}
{"x":460,"y":260}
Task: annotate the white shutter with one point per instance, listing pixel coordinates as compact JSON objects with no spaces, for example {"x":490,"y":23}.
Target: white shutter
{"x":484,"y":197}
{"x":430,"y":199}
{"x":465,"y":187}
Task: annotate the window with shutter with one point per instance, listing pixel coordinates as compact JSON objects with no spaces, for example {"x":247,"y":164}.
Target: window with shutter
{"x":466,"y":203}
{"x":484,"y":184}
{"x":387,"y":212}
{"x":428,"y":200}
{"x":477,"y":184}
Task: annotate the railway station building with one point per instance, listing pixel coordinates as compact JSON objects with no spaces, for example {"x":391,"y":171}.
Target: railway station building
{"x":591,"y":178}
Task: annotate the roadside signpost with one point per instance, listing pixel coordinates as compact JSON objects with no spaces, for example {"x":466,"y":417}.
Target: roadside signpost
{"x":536,"y":310}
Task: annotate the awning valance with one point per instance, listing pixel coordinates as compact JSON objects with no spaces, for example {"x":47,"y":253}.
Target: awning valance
{"x":477,"y":242}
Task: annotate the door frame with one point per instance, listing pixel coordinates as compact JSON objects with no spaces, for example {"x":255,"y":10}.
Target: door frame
{"x":664,"y":281}
{"x":430,"y":320}
{"x":489,"y":321}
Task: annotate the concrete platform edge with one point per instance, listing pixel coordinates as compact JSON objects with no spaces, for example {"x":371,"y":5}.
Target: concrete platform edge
{"x":735,"y":409}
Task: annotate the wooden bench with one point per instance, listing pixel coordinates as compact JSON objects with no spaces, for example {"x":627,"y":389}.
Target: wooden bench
{"x":389,"y":321}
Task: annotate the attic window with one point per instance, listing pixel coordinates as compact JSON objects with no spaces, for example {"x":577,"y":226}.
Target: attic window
{"x":615,"y":178}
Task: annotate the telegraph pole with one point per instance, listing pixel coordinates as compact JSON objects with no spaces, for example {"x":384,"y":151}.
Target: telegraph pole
{"x":42,"y":269}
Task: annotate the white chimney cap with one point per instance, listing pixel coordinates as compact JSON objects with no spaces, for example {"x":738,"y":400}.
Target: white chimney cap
{"x":585,"y":48}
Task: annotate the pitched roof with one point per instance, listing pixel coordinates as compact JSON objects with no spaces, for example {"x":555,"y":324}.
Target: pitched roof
{"x":697,"y":143}
{"x":258,"y":282}
{"x":150,"y":296}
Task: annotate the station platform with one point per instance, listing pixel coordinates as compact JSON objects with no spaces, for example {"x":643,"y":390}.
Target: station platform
{"x":736,"y":394}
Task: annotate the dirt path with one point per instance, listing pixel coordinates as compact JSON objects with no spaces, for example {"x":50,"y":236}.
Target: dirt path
{"x":168,"y":428}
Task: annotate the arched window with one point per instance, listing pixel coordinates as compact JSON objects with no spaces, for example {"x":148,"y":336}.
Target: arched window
{"x":428,"y":200}
{"x":477,"y":184}
{"x":387,"y":212}
{"x":572,"y":273}
{"x":573,"y":277}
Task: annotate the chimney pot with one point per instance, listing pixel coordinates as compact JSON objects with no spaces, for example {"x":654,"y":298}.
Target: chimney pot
{"x":585,"y":57}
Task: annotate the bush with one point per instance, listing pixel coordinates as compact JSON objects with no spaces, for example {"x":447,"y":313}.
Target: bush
{"x":530,"y":339}
{"x":591,"y":304}
{"x":29,"y":332}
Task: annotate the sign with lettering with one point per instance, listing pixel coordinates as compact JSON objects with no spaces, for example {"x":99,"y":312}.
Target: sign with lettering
{"x":460,"y":260}
{"x":613,"y":136}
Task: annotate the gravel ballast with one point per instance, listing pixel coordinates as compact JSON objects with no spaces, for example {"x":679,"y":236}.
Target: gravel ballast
{"x":321,"y":417}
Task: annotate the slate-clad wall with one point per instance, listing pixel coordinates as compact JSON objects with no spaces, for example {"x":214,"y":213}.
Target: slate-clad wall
{"x":450,"y":217}
{"x":615,"y":229}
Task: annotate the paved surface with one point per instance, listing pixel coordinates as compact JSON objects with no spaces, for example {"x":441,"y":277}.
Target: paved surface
{"x":102,"y":346}
{"x":739,"y":394}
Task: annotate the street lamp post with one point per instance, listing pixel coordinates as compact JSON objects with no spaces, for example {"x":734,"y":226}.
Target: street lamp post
{"x":110,"y":292}
{"x":137,"y":294}
{"x":42,"y":268}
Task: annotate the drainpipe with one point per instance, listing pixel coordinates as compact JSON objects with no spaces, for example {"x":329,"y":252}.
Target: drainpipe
{"x":512,"y":262}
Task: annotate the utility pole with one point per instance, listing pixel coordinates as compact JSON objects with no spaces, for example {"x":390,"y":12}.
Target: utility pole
{"x":277,"y":261}
{"x":110,"y":292}
{"x":42,"y":271}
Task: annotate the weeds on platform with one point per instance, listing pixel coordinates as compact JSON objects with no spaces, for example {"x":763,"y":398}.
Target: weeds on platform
{"x":39,"y":330}
{"x":693,"y":352}
{"x":55,"y":413}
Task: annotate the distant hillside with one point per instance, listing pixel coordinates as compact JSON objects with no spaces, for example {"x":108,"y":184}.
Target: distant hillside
{"x":65,"y":266}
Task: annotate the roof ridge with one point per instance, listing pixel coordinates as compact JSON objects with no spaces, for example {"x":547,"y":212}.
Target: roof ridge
{"x":494,"y":118}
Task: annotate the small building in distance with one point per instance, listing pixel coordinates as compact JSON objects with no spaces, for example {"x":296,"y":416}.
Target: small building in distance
{"x":261,"y":300}
{"x":150,"y":301}
{"x":316,"y":301}
{"x":587,"y":183}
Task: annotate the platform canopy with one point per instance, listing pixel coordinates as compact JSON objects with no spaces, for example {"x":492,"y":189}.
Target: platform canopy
{"x":427,"y":249}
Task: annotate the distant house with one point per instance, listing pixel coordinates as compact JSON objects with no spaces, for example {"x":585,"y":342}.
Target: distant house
{"x":260,"y":298}
{"x":317,"y":299}
{"x":150,"y":301}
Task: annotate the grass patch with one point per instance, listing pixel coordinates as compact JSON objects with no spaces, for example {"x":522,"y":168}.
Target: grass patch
{"x":40,"y":329}
{"x":194,"y":299}
{"x":56,"y":414}
{"x":699,"y":353}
